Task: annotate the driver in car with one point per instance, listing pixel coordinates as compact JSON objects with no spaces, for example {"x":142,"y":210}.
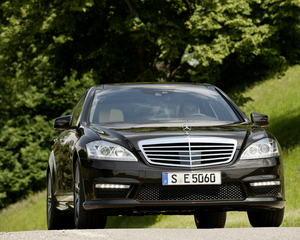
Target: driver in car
{"x":188,"y":109}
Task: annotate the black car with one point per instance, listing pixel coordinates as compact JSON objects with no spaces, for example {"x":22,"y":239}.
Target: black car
{"x":149,"y":149}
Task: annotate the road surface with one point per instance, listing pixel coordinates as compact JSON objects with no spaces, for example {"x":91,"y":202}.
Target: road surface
{"x":164,"y":234}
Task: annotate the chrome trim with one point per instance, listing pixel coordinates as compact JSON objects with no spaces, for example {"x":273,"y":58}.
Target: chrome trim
{"x":262,"y":199}
{"x":189,"y":158}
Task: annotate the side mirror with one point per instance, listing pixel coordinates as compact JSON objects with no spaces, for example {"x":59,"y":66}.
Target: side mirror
{"x":63,"y":123}
{"x":260,"y":119}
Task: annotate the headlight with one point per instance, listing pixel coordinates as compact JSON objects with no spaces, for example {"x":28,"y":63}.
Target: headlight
{"x":264,"y":148}
{"x":103,"y":150}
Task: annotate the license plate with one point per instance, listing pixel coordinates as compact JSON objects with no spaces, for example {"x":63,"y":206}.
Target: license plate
{"x":199,"y":178}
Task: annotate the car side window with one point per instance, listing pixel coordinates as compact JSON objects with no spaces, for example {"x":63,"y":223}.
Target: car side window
{"x":78,"y":109}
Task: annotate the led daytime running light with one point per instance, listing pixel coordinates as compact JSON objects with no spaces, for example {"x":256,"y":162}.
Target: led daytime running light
{"x":260,"y":184}
{"x":118,"y":186}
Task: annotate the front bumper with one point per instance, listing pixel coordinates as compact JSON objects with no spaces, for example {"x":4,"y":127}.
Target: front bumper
{"x":138,"y":175}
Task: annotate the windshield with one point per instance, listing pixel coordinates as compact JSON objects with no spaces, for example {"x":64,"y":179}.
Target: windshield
{"x":157,"y":104}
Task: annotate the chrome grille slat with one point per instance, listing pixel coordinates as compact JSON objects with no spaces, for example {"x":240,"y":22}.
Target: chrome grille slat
{"x":167,"y":151}
{"x":215,"y":150}
{"x":167,"y":155}
{"x":211,"y":154}
{"x":188,"y":151}
{"x":170,"y":160}
{"x":209,"y":159}
{"x":168,"y":147}
{"x":217,"y":146}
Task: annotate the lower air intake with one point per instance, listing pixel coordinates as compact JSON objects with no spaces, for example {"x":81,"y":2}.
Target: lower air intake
{"x":266,"y":190}
{"x":157,"y":192}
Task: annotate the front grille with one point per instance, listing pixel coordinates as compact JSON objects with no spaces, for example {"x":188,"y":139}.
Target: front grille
{"x":188,"y":151}
{"x":266,"y":190}
{"x":157,"y":192}
{"x":110,"y":193}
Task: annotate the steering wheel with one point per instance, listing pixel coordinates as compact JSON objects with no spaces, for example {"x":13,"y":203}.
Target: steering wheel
{"x":196,"y":116}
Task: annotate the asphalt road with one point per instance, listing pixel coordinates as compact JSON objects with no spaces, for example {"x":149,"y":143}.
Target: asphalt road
{"x":168,"y":234}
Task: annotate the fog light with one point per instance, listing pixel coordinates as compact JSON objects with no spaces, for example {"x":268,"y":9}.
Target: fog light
{"x":260,"y":184}
{"x":112,"y":186}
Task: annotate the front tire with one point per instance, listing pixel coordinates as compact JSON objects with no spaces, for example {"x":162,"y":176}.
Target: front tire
{"x":53,"y":217}
{"x":84,"y":219}
{"x":270,"y":218}
{"x":210,"y":219}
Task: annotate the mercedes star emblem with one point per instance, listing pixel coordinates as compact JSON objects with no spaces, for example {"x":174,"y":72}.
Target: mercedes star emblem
{"x":186,"y":128}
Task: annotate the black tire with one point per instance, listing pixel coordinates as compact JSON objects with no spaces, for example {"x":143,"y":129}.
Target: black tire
{"x":84,"y":219}
{"x":53,"y":217}
{"x":56,"y":219}
{"x":270,"y":218}
{"x":210,"y":219}
{"x":68,"y":221}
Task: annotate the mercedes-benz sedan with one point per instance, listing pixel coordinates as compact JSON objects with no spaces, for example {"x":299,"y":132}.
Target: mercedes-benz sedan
{"x":149,"y":149}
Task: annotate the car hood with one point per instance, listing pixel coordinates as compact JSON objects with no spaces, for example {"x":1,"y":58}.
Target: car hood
{"x":128,"y":135}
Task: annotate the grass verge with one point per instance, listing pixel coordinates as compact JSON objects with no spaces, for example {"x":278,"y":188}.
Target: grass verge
{"x":25,"y":215}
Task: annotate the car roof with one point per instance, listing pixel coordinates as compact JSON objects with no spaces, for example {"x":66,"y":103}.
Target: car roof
{"x":154,"y":85}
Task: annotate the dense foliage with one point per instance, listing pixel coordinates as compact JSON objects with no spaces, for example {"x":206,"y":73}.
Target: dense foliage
{"x":50,"y":51}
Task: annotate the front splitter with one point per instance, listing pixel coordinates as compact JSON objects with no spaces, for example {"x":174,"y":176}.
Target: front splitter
{"x":267,"y":203}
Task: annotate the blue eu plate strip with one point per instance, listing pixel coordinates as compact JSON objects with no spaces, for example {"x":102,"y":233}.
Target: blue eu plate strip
{"x":165,"y":178}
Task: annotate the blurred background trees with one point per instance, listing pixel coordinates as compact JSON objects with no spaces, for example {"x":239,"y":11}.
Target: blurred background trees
{"x":51,"y":51}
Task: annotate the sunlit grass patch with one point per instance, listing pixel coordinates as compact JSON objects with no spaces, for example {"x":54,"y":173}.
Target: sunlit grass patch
{"x":280,"y":100}
{"x":160,"y":221}
{"x":291,"y":218}
{"x":237,"y":220}
{"x":28,"y":214}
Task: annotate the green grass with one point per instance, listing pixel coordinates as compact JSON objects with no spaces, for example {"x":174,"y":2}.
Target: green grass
{"x":278,"y":98}
{"x":28,"y":214}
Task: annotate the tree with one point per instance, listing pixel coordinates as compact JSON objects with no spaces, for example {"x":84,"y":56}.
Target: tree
{"x":50,"y":51}
{"x":133,"y":40}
